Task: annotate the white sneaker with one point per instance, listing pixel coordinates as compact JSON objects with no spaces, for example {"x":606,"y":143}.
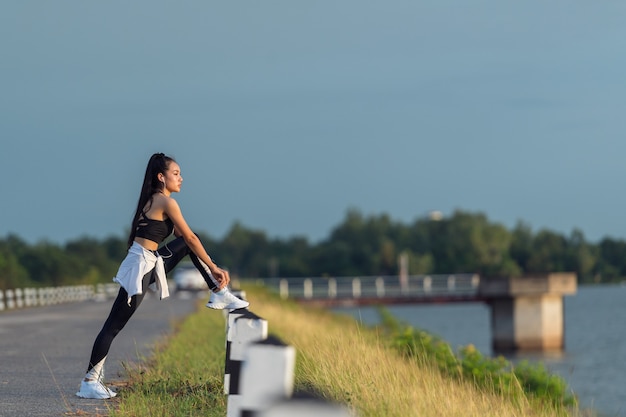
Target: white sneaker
{"x":95,"y":390}
{"x":225,"y":300}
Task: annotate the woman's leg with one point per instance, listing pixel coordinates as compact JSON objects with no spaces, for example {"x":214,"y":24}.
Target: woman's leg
{"x":120,"y":313}
{"x":177,"y":249}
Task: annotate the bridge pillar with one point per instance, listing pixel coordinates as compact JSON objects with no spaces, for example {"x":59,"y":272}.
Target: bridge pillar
{"x":527,"y":313}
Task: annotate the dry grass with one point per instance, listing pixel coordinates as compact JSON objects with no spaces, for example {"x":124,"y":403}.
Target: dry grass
{"x":346,"y":363}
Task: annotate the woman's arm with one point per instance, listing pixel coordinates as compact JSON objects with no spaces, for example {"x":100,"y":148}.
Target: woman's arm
{"x":172,"y":209}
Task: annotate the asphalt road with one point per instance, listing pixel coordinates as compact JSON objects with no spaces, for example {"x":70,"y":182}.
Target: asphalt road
{"x":44,"y":352}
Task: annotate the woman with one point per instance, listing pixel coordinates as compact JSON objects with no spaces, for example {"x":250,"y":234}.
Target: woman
{"x":156,"y":217}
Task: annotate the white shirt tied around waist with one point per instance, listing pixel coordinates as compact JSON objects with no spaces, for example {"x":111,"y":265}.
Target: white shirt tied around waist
{"x":138,"y":262}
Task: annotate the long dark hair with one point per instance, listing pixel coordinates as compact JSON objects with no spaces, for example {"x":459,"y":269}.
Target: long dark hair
{"x":158,"y":164}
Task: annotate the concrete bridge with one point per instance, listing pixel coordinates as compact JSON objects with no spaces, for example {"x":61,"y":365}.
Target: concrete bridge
{"x":526,"y":312}
{"x":356,"y":291}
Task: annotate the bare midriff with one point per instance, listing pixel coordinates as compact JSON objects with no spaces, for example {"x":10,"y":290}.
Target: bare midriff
{"x":146,"y":243}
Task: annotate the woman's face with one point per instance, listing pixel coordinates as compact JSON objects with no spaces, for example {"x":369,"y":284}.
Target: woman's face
{"x":172,"y":177}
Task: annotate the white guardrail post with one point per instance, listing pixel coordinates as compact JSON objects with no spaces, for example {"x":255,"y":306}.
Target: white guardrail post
{"x":308,"y":288}
{"x":1,"y":300}
{"x":284,"y":289}
{"x":9,"y":299}
{"x":380,"y":287}
{"x":29,"y":300}
{"x":231,"y":368}
{"x":41,"y":294}
{"x":428,"y":284}
{"x":332,"y":288}
{"x":451,"y":283}
{"x":246,"y":328}
{"x":356,"y":288}
{"x":266,"y":375}
{"x":19,"y":298}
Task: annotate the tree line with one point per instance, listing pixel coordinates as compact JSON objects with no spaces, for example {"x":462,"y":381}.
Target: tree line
{"x":360,"y":245}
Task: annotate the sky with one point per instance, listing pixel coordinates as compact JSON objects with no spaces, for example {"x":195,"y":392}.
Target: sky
{"x":284,"y":115}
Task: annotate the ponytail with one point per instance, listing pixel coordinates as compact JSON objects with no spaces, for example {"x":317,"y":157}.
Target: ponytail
{"x":158,"y":164}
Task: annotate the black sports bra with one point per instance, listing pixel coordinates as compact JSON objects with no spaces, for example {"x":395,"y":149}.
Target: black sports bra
{"x":154,"y":230}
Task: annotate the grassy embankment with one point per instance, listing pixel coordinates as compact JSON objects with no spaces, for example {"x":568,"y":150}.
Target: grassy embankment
{"x":336,"y":358}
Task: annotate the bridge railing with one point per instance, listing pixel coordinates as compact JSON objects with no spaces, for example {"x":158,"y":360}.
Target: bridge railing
{"x":32,"y":297}
{"x":317,"y":288}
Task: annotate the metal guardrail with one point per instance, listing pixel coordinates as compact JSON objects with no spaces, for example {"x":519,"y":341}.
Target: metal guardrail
{"x":321,"y":288}
{"x":32,"y":297}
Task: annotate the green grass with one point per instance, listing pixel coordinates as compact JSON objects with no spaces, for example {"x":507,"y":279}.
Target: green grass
{"x":184,"y":377}
{"x":527,"y":380}
{"x":337,"y":358}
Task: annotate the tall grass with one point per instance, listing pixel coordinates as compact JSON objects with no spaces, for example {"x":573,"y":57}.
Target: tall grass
{"x":345,"y":362}
{"x":337,"y":359}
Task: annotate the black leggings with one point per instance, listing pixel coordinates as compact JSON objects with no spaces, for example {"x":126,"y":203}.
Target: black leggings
{"x":121,"y":312}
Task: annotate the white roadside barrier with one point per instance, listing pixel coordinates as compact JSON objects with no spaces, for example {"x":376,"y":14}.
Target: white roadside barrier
{"x":231,"y":367}
{"x":259,"y":373}
{"x":244,"y":327}
{"x":33,"y":297}
{"x":19,"y":298}
{"x":266,"y":375}
{"x":10,"y":299}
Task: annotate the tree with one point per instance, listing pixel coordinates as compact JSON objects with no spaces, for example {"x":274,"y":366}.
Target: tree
{"x":420,"y":264}
{"x":94,"y":261}
{"x":581,"y":258}
{"x":467,"y":242}
{"x":549,"y":253}
{"x":12,"y":274}
{"x":611,"y":264}
{"x":360,"y":245}
{"x":521,"y":244}
{"x":291,"y":258}
{"x":245,"y":251}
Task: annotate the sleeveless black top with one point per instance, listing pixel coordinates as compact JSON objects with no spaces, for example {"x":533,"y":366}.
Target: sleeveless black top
{"x":154,"y":230}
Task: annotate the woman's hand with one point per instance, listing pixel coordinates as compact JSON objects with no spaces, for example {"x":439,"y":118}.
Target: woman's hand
{"x":221,"y":276}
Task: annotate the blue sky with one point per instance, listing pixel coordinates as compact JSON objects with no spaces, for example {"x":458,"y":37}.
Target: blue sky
{"x":283,"y":115}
